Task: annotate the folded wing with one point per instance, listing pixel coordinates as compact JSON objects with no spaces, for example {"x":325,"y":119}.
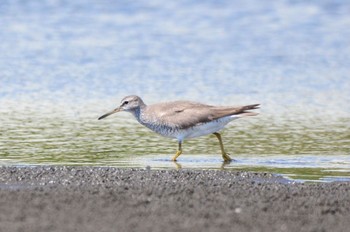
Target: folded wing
{"x":185,"y":114}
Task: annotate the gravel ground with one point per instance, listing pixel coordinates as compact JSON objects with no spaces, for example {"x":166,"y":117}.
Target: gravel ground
{"x":59,"y":198}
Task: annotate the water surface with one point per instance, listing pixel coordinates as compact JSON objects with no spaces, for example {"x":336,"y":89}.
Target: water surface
{"x":63,"y":64}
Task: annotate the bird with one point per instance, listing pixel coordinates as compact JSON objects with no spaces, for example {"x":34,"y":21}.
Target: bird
{"x":184,"y":119}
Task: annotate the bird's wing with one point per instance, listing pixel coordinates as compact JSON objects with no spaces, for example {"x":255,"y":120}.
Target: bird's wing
{"x":185,"y":114}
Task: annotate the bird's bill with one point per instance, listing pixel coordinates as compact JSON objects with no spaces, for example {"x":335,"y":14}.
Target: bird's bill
{"x":109,"y":113}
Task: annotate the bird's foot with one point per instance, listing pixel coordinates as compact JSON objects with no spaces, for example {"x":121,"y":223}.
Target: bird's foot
{"x":226,"y":157}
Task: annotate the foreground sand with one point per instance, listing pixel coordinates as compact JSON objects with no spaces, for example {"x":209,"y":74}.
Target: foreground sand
{"x":57,"y":198}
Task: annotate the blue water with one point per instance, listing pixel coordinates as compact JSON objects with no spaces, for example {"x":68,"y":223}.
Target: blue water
{"x":68,"y":61}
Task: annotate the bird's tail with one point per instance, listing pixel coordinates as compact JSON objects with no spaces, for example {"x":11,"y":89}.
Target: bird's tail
{"x":245,"y":110}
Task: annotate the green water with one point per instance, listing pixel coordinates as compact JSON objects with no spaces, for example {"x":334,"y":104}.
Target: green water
{"x":65,"y":63}
{"x":309,"y":149}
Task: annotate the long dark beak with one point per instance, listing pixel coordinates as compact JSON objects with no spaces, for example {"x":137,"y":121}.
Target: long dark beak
{"x":109,"y":113}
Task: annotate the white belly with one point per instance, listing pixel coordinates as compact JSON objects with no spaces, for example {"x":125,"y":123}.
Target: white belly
{"x":203,"y":129}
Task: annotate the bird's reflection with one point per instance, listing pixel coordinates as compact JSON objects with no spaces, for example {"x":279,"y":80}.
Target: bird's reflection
{"x":224,"y":164}
{"x":177,"y":165}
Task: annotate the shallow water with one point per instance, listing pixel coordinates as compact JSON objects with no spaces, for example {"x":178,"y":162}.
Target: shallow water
{"x":64,"y":64}
{"x":313,"y":151}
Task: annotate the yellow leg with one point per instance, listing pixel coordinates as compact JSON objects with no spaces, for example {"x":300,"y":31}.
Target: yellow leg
{"x":178,"y":152}
{"x":225,"y":155}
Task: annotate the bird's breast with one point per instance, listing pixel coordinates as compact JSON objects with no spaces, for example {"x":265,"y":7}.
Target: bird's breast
{"x":191,"y":132}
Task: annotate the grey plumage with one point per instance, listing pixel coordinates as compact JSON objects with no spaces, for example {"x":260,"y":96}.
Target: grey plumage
{"x":183,"y":119}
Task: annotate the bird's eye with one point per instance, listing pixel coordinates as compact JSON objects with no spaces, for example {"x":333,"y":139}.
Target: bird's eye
{"x":125,"y":102}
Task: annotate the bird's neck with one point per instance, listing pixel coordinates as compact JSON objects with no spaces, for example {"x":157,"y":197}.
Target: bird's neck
{"x":138,"y":113}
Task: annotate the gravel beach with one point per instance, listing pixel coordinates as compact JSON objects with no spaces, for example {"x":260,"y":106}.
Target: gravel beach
{"x":60,"y":198}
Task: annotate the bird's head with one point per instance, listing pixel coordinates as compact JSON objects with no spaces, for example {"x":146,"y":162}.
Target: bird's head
{"x":130,"y":104}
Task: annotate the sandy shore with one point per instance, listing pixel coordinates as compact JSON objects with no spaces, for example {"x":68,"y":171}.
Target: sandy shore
{"x":58,"y":198}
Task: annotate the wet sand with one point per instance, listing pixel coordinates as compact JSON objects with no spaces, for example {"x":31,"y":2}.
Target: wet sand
{"x":58,"y":198}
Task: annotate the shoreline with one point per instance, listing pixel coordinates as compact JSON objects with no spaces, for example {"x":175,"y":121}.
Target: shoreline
{"x":69,"y":198}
